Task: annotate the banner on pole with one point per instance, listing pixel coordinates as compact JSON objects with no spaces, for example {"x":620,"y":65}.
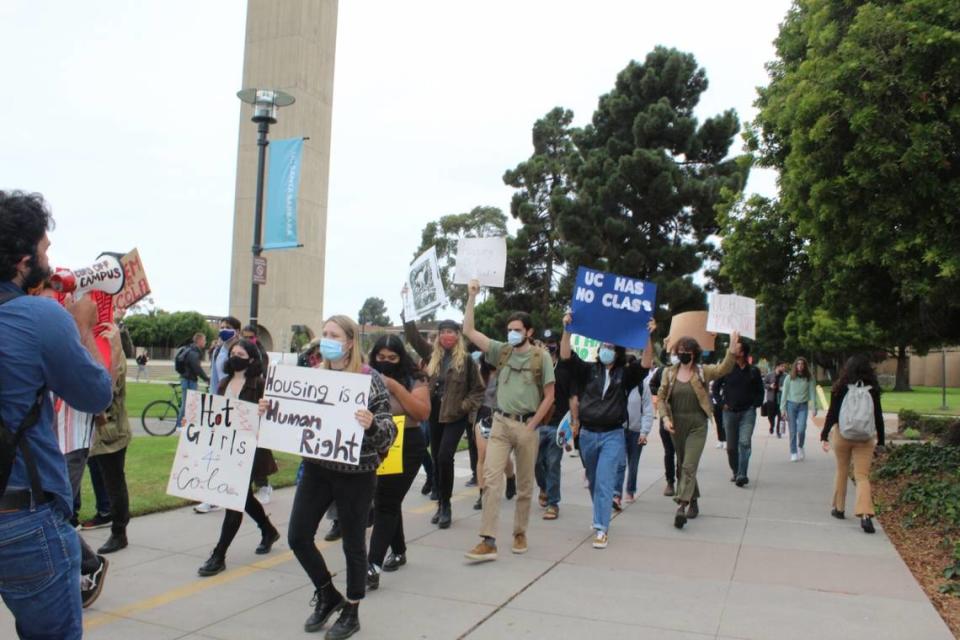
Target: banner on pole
{"x":283,"y":188}
{"x":215,"y":453}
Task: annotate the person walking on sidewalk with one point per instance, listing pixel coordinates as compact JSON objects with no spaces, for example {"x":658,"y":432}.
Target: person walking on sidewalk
{"x":603,"y":389}
{"x":482,"y":427}
{"x":525,"y":382}
{"x":635,"y":433}
{"x":456,"y":392}
{"x":409,"y":401}
{"x":550,"y":454}
{"x":685,"y":406}
{"x":670,"y":470}
{"x":742,"y":391}
{"x":243,"y":380}
{"x":799,"y":392}
{"x":863,"y":436}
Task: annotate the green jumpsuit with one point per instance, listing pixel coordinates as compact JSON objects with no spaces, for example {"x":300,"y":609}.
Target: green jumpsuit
{"x":689,"y":438}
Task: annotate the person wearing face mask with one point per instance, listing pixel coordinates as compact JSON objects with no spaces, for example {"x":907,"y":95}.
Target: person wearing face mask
{"x":525,"y":392}
{"x":264,"y":491}
{"x":670,"y":469}
{"x":456,"y":392}
{"x":799,"y":393}
{"x":742,"y":392}
{"x":243,"y":380}
{"x":229,"y":335}
{"x":550,"y":455}
{"x":685,"y":406}
{"x":350,"y":487}
{"x":483,"y":423}
{"x":409,"y":399}
{"x":603,"y":390}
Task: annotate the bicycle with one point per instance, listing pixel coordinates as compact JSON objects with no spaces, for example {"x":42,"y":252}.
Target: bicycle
{"x":159,"y":418}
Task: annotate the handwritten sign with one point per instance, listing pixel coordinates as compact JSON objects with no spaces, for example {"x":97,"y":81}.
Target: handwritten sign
{"x":423,"y":291}
{"x":482,"y":258}
{"x":135,"y":287}
{"x":585,"y":348}
{"x":279,"y":357}
{"x":729,"y":313}
{"x":612,"y":308}
{"x":215,"y":452}
{"x":310,"y":412}
{"x":692,"y":324}
{"x":393,"y":463}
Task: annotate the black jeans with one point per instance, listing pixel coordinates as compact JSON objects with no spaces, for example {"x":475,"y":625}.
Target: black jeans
{"x":388,"y":499}
{"x":671,"y":473}
{"x":351,"y":492}
{"x":111,"y":467}
{"x":444,"y":438}
{"x":718,"y":421}
{"x":232,"y":520}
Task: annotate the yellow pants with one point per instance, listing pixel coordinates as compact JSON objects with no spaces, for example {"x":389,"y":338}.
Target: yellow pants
{"x":862,"y":455}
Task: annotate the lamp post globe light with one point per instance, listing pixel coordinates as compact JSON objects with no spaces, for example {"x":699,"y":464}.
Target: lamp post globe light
{"x":265,"y":103}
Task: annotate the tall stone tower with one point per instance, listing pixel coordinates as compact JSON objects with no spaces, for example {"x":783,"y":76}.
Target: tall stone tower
{"x":290,"y":46}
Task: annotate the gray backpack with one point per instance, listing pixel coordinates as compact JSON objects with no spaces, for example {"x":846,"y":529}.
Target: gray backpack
{"x":857,"y":420}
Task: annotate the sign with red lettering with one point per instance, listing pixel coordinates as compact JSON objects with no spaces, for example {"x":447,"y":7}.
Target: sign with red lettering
{"x":136,"y":287}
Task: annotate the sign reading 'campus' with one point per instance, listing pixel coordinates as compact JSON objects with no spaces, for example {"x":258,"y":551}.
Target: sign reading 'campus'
{"x":310,"y":412}
{"x":612,"y":308}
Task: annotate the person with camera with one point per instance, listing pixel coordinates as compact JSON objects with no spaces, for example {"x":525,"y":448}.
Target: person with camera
{"x":45,"y":348}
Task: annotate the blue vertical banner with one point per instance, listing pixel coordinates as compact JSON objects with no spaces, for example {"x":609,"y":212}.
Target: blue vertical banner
{"x":612,"y":308}
{"x":283,"y":187}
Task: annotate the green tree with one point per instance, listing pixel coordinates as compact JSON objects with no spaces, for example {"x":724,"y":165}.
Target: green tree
{"x":860,"y":118}
{"x":374,"y":311}
{"x":167,"y":330}
{"x":650,"y":179}
{"x":480,"y":222}
{"x":536,"y":264}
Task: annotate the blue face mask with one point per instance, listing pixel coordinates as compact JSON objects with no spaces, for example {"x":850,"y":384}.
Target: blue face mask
{"x":331,"y":349}
{"x":227,"y":334}
{"x":476,"y":355}
{"x":606,"y":355}
{"x":515,"y":338}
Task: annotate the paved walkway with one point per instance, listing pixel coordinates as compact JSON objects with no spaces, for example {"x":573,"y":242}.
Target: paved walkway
{"x":765,"y":561}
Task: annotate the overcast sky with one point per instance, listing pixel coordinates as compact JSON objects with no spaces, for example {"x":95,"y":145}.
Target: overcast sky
{"x":123,"y":114}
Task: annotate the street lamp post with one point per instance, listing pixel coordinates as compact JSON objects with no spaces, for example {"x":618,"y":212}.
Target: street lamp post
{"x":265,"y":104}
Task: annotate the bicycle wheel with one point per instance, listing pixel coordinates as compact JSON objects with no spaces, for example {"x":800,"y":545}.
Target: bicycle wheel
{"x":159,"y":418}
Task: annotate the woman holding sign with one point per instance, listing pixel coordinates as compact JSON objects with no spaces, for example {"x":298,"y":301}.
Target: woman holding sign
{"x":686,"y":409}
{"x":350,"y":487}
{"x":244,"y":381}
{"x":410,"y":405}
{"x":604,"y":387}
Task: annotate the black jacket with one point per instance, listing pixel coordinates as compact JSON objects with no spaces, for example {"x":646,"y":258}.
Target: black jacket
{"x":601,"y":411}
{"x":194,"y":370}
{"x":833,"y":414}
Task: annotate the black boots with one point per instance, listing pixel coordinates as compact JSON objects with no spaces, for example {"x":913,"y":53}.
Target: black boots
{"x":326,"y":602}
{"x":347,"y":624}
{"x":373,"y":578}
{"x":836,"y":513}
{"x":511,"y":487}
{"x":478,"y":505}
{"x":334,"y":533}
{"x":867,"y":525}
{"x":681,"y":518}
{"x":215,"y":564}
{"x":115,"y":542}
{"x":446,"y":516}
{"x":693,"y":510}
{"x":266,"y":541}
{"x":436,"y":517}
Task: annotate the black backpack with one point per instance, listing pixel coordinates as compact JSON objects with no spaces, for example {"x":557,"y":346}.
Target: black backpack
{"x":10,"y":441}
{"x":180,"y":359}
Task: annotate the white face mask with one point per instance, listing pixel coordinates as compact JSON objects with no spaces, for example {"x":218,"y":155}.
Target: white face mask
{"x":674,"y":358}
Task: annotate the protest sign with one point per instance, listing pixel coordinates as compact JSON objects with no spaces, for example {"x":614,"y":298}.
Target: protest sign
{"x":729,"y":313}
{"x":277,"y":357}
{"x":135,"y":287}
{"x":482,"y":258}
{"x":692,"y":324}
{"x":612,"y":308}
{"x":423,"y":291}
{"x":585,"y":348}
{"x":215,"y":452}
{"x":310,"y":412}
{"x":393,"y":463}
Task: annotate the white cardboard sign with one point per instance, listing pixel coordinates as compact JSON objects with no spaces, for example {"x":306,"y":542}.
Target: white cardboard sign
{"x":310,"y":413}
{"x":482,"y":258}
{"x":729,"y":313}
{"x":215,"y":453}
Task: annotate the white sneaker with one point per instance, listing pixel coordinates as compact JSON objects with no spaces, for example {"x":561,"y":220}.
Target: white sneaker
{"x":600,"y":540}
{"x":803,"y":456}
{"x":721,"y":445}
{"x":206,"y":507}
{"x":263,"y":494}
{"x":793,"y":457}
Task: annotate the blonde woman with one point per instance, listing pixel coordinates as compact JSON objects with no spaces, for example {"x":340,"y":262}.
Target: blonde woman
{"x":685,"y":407}
{"x":350,"y":488}
{"x":456,"y":392}
{"x":799,"y":393}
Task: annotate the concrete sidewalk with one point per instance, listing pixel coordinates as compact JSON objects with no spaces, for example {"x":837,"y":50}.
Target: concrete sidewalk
{"x":765,"y":561}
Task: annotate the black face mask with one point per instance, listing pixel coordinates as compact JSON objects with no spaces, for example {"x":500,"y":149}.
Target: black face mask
{"x":239,"y":364}
{"x":685,"y":358}
{"x":552,"y":348}
{"x":389,"y":369}
{"x":36,"y":275}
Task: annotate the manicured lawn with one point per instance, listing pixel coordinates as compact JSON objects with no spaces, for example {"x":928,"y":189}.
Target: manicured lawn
{"x":924,"y":400}
{"x":148,"y":468}
{"x":139,"y":394}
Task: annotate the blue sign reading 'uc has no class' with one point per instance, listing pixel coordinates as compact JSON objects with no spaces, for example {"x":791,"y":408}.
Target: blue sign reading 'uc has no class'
{"x":612,"y":308}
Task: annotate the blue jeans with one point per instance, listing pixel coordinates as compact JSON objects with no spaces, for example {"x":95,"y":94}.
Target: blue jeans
{"x":630,"y":462}
{"x":797,"y":419}
{"x":185,"y":385}
{"x":601,"y":453}
{"x":40,"y":573}
{"x":547,"y":469}
{"x":738,"y":426}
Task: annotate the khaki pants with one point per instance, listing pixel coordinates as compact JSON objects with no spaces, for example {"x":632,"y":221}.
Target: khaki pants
{"x":862,"y":455}
{"x":508,"y":436}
